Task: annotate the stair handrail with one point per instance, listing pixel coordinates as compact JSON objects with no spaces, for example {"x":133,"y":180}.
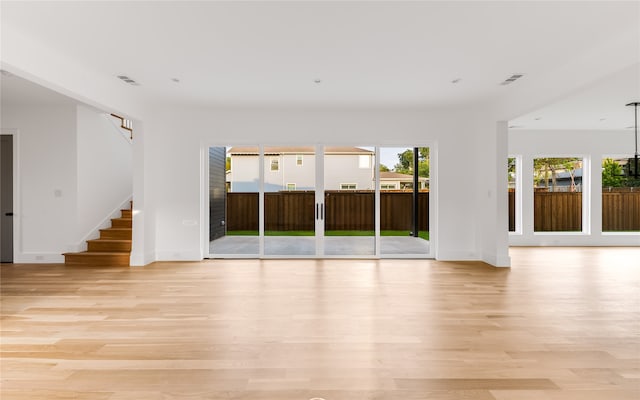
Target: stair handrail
{"x":126,"y":124}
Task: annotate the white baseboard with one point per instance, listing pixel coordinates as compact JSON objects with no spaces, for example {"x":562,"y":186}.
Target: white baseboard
{"x":178,"y":255}
{"x":38,"y":258}
{"x":141,"y":259}
{"x":457,"y":256}
{"x":502,"y":260}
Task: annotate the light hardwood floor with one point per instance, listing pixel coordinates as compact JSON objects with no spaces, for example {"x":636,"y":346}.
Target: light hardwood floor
{"x":562,"y":323}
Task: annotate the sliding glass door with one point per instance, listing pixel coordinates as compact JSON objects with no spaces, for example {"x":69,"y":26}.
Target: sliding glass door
{"x":404,"y":202}
{"x":349,"y":201}
{"x":291,"y":210}
{"x":318,"y":201}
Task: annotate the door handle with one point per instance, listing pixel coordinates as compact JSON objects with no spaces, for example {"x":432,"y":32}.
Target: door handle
{"x":322,"y":211}
{"x":9,"y":214}
{"x":317,"y":211}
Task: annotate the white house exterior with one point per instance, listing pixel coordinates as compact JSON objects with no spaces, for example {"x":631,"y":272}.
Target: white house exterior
{"x":390,"y":180}
{"x":293,"y":168}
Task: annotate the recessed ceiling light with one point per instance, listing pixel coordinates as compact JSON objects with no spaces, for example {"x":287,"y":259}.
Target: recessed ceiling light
{"x":176,"y":80}
{"x":538,"y":118}
{"x":456,"y":80}
{"x":317,"y":80}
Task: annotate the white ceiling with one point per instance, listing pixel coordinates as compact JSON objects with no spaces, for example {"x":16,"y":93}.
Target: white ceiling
{"x":17,"y":92}
{"x":600,"y":106}
{"x":366,"y":54}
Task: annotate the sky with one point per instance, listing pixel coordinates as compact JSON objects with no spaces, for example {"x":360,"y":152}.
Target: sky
{"x":389,"y":155}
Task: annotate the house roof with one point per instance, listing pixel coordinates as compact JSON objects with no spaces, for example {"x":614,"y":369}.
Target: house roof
{"x":396,"y":176}
{"x":253,"y":150}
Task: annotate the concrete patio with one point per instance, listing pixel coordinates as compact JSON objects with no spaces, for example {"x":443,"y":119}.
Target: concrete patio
{"x":305,"y":246}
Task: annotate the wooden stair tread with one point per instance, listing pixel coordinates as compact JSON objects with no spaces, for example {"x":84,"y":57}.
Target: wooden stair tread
{"x":110,"y":240}
{"x":98,"y":253}
{"x":112,"y":249}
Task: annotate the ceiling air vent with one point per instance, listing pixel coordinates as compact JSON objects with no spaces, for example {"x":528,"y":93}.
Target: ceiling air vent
{"x":130,"y":81}
{"x":512,"y":79}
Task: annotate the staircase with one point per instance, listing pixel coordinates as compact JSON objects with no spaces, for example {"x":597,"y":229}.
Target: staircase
{"x":112,"y":249}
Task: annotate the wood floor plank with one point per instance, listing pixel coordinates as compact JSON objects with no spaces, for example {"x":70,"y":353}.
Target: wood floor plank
{"x":561,"y":324}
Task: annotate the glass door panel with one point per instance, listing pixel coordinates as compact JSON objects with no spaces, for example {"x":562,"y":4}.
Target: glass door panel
{"x":233,"y":201}
{"x":349,"y":201}
{"x":404,"y":212}
{"x":290,"y":206}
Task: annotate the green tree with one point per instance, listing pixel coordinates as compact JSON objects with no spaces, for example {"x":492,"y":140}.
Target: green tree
{"x":228,"y":164}
{"x":384,"y":168}
{"x":405,"y":162}
{"x":545,"y":168}
{"x":570,"y":166}
{"x":612,"y":173}
{"x":511,"y":169}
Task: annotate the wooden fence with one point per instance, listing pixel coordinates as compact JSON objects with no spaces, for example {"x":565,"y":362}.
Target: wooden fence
{"x":620,"y":211}
{"x":557,"y":211}
{"x":562,"y":211}
{"x":291,"y":211}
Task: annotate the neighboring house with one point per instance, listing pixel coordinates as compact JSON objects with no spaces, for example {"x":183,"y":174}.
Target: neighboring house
{"x":294,"y":168}
{"x":390,"y":180}
{"x":563,"y":182}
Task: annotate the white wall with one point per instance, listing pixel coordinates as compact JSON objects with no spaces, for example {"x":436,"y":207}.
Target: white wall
{"x":593,"y":146}
{"x":47,"y":175}
{"x":75,"y":173}
{"x":177,"y":166}
{"x":104,"y":172}
{"x":491,"y":193}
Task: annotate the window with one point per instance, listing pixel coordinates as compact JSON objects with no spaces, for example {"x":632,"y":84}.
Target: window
{"x":557,"y":194}
{"x":299,"y":160}
{"x":275,"y":164}
{"x":620,"y":195}
{"x":347,"y":186}
{"x":291,"y":186}
{"x":406,"y":185}
{"x":364,"y":161}
{"x":511,"y":192}
{"x":388,"y":186}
